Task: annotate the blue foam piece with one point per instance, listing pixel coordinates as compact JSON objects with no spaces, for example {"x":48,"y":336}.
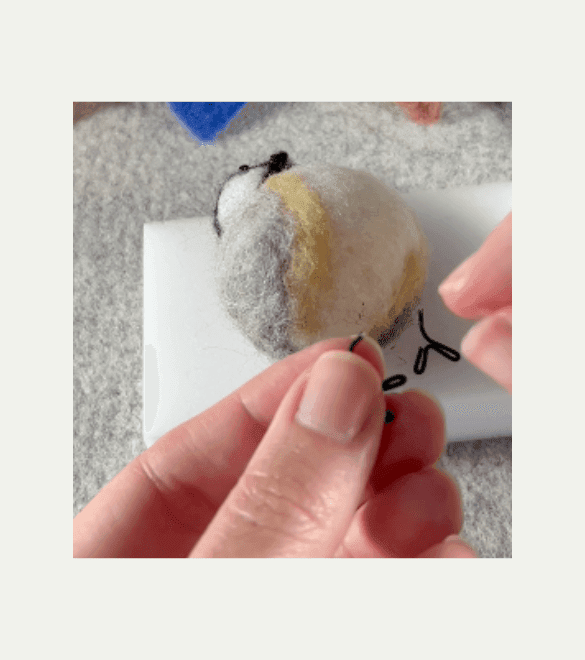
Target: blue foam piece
{"x":204,"y":120}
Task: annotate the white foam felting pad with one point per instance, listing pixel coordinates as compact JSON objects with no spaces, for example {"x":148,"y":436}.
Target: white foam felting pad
{"x":194,"y":355}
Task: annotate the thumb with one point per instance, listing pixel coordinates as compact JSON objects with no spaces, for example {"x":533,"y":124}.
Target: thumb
{"x":303,"y":484}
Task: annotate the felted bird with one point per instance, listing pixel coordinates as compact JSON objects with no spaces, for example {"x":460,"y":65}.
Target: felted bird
{"x":308,"y":252}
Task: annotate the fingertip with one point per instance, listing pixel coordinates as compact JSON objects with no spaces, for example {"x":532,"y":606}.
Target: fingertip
{"x":418,"y":429}
{"x":482,"y":284}
{"x":415,"y":512}
{"x":341,"y":394}
{"x":488,"y":346}
{"x":427,"y":403}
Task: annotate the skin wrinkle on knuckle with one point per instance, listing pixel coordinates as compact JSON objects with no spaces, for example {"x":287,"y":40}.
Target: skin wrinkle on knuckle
{"x":282,"y":505}
{"x":248,"y":412}
{"x":171,"y":491}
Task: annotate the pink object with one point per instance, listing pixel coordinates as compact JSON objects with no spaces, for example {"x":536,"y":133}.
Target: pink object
{"x":422,"y":112}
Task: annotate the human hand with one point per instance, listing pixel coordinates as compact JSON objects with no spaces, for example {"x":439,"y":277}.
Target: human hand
{"x":251,"y":477}
{"x":481,"y":287}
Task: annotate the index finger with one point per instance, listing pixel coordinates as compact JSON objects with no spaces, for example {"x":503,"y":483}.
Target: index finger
{"x":482,"y":284}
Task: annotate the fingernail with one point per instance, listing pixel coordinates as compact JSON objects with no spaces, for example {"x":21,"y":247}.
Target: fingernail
{"x":488,"y":346}
{"x":486,"y":333}
{"x":337,"y":399}
{"x":457,"y":281}
{"x":470,"y":342}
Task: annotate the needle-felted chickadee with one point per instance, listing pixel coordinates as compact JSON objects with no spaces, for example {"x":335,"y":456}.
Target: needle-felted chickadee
{"x":311,"y":252}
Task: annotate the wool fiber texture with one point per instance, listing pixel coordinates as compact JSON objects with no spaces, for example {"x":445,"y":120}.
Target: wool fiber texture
{"x":316,"y":252}
{"x":252,"y":258}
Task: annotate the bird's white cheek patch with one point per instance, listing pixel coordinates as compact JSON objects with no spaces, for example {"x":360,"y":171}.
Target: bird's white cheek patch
{"x":236,"y":195}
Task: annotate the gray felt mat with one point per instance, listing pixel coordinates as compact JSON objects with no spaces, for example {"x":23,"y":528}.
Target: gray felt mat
{"x":133,"y":163}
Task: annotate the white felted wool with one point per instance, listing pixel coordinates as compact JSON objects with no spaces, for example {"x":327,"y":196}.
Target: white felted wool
{"x":313,"y":252}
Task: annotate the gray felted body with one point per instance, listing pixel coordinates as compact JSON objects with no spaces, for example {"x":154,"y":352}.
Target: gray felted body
{"x":374,"y":250}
